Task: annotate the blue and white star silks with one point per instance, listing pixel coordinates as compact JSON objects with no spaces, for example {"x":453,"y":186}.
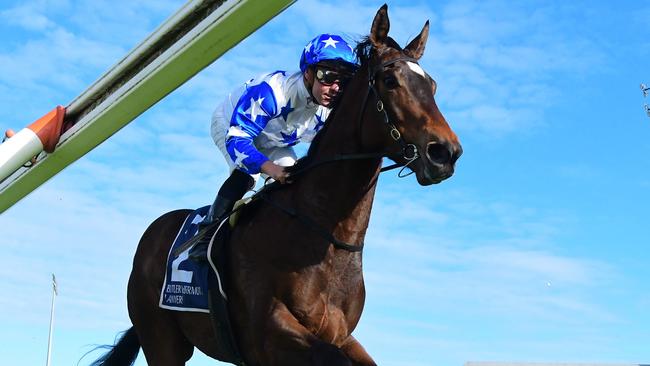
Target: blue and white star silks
{"x":330,"y":42}
{"x":255,"y":109}
{"x":291,"y":138}
{"x":284,"y":111}
{"x":239,"y":158}
{"x":320,"y":121}
{"x":328,"y":47}
{"x":273,"y":110}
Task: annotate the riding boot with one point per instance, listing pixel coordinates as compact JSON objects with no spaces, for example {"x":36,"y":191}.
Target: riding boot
{"x":219,"y":209}
{"x":232,"y":190}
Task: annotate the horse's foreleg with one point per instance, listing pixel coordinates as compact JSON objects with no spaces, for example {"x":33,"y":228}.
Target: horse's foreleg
{"x":286,"y":342}
{"x":355,"y":351}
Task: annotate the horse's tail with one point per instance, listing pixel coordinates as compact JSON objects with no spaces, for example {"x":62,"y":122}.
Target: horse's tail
{"x":123,"y":353}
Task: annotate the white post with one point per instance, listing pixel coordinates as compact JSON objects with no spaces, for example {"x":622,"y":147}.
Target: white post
{"x":49,"y":338}
{"x":17,"y":150}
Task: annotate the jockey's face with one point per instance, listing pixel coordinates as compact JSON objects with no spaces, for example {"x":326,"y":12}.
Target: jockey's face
{"x":326,"y":84}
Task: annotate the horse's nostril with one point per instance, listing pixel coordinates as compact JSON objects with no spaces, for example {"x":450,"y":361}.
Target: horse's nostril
{"x":458,"y":152}
{"x":438,"y":153}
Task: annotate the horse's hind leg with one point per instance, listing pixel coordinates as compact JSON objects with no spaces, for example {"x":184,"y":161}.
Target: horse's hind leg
{"x":161,"y":338}
{"x":160,"y":335}
{"x":162,"y":341}
{"x":163,"y":344}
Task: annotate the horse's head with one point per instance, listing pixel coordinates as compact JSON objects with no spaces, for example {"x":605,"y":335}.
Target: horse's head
{"x":405,"y":99}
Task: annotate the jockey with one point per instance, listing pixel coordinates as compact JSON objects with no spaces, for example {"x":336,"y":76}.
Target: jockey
{"x":259,"y":122}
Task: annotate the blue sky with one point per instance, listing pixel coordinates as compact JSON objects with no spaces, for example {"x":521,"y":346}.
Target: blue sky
{"x":536,"y":250}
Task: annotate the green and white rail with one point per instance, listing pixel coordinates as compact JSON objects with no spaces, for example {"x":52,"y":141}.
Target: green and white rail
{"x":191,"y":39}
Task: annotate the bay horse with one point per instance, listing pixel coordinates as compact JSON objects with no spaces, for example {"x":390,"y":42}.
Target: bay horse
{"x":296,"y":294}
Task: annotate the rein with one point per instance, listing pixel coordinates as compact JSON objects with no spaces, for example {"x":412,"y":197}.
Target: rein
{"x":409,"y":153}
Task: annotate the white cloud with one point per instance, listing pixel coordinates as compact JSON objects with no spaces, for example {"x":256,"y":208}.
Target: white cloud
{"x":427,"y":255}
{"x":495,"y":63}
{"x":26,"y":16}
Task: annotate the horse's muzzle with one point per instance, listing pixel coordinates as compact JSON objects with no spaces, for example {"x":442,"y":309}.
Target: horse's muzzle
{"x":440,"y":159}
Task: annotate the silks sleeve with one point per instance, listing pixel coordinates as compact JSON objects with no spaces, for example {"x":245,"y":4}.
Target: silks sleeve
{"x":251,"y":114}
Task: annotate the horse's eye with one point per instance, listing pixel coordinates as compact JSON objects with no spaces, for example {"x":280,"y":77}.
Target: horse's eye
{"x":390,"y":82}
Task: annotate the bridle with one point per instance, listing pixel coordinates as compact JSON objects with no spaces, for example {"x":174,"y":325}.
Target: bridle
{"x":409,"y":153}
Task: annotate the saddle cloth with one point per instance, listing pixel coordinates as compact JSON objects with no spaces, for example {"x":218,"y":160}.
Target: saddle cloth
{"x":196,"y":285}
{"x":186,"y":281}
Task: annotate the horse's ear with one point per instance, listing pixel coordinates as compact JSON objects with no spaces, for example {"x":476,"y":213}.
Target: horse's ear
{"x":415,"y":49}
{"x":380,"y":26}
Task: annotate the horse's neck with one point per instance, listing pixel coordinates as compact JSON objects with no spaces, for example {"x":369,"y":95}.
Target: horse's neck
{"x":339,"y":195}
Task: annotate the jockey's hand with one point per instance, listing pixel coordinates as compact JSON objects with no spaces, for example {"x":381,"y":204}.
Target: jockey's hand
{"x":275,"y":171}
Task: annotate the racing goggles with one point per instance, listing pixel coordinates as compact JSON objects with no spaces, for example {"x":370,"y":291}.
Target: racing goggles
{"x":328,"y":77}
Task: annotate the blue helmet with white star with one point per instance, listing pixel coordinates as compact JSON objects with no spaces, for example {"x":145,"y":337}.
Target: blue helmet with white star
{"x":328,"y":47}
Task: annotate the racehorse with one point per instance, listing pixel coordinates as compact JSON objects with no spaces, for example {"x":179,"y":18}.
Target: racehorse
{"x":296,"y":291}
